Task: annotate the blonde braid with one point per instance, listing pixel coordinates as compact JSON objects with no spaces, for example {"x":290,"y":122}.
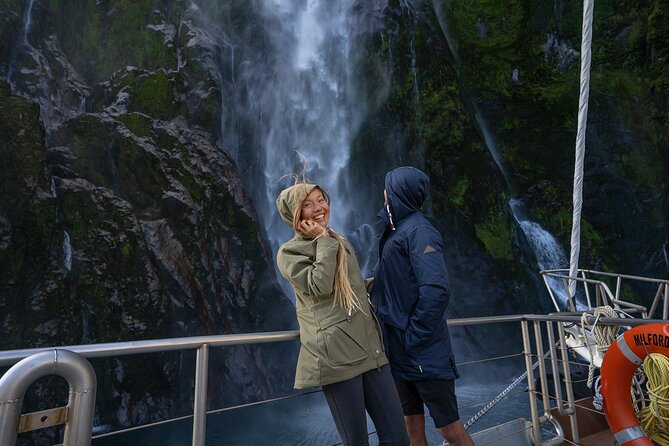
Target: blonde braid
{"x":343,"y":292}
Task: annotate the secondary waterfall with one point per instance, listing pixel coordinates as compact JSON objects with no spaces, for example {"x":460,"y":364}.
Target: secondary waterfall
{"x":548,"y":253}
{"x":27,"y":22}
{"x":66,"y":254}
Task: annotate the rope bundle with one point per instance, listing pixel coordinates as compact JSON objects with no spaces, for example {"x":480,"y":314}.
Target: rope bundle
{"x":603,"y":334}
{"x":654,"y":415}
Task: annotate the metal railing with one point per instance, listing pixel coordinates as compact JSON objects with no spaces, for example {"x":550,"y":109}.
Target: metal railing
{"x":77,"y":416}
{"x":603,"y":294}
{"x":559,"y":365}
{"x":200,"y":343}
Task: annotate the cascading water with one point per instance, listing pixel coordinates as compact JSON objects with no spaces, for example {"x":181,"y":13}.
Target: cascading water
{"x":27,"y":22}
{"x":548,"y":252}
{"x":293,"y":95}
{"x":66,"y":254}
{"x":311,"y":112}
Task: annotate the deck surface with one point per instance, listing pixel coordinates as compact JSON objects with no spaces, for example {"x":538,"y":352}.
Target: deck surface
{"x":592,"y":427}
{"x":603,"y":438}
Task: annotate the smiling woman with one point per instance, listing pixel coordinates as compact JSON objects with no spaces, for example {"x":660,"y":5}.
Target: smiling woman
{"x":341,"y":348}
{"x":314,"y":214}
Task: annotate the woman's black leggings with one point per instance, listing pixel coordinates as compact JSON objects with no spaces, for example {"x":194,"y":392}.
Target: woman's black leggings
{"x":375,"y":391}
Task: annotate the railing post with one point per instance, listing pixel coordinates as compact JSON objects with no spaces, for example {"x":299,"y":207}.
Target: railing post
{"x":531,"y":390}
{"x":586,"y":288}
{"x":200,"y":397}
{"x":665,"y":304}
{"x":569,"y":390}
{"x":542,"y":368}
{"x":80,"y":405}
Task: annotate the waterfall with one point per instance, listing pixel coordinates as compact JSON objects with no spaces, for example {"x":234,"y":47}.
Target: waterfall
{"x":66,"y":254}
{"x":310,"y":106}
{"x":294,"y":94}
{"x":414,"y":71}
{"x":547,"y":250}
{"x":490,"y":142}
{"x":27,"y":22}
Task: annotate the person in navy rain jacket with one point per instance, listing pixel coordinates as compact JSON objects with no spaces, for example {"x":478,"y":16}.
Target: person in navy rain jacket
{"x":410,"y":293}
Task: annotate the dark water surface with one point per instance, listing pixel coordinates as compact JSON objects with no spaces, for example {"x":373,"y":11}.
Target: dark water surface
{"x":305,"y":419}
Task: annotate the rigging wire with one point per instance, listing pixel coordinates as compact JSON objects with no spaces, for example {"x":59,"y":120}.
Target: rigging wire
{"x":586,"y":43}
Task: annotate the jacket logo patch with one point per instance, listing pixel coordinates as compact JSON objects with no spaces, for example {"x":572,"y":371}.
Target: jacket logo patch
{"x":429,"y":248}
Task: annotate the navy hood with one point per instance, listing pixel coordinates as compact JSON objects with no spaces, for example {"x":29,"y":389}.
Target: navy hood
{"x":407,"y":189}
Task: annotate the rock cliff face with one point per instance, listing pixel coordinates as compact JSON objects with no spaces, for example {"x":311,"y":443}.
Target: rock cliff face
{"x":112,"y":236}
{"x":485,"y":97}
{"x":121,"y":218}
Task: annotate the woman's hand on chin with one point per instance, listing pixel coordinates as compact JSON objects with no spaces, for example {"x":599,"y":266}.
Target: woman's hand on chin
{"x":312,"y":229}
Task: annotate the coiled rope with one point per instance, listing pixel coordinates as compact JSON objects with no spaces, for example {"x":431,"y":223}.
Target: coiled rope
{"x":654,"y":417}
{"x":603,"y":335}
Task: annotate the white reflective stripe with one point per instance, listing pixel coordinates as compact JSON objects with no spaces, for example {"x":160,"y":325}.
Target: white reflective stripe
{"x":627,"y":351}
{"x":629,"y":434}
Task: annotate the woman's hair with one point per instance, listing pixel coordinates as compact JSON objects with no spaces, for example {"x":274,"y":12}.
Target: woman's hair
{"x":343,"y":292}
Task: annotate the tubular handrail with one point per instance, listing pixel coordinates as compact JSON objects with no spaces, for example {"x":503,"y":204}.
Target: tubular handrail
{"x":82,"y":382}
{"x":103,"y":350}
{"x":201,"y":343}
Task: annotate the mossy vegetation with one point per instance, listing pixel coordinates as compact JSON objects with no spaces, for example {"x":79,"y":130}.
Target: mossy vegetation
{"x":137,"y":123}
{"x":153,"y":95}
{"x":103,"y":37}
{"x":533,"y":115}
{"x":496,"y":235}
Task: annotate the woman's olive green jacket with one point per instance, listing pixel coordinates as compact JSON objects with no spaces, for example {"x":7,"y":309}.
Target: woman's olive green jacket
{"x":334,"y":346}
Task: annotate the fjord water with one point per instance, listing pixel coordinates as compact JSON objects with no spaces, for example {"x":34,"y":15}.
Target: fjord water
{"x":305,"y":420}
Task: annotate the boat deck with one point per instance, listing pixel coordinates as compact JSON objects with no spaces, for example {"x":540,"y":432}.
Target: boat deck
{"x":592,"y":427}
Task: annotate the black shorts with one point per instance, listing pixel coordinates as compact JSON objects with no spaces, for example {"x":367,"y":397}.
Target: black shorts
{"x":438,"y":395}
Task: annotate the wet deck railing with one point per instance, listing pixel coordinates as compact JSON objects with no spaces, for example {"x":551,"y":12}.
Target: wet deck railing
{"x":534,"y":343}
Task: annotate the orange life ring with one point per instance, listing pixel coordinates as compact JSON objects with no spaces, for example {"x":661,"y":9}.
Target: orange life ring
{"x":620,"y":362}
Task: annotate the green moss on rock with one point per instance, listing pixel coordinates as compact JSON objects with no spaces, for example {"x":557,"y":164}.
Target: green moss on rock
{"x":137,"y":123}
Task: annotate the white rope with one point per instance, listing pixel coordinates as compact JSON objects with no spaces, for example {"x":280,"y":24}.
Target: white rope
{"x":603,"y":335}
{"x":598,"y":399}
{"x":586,"y":43}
